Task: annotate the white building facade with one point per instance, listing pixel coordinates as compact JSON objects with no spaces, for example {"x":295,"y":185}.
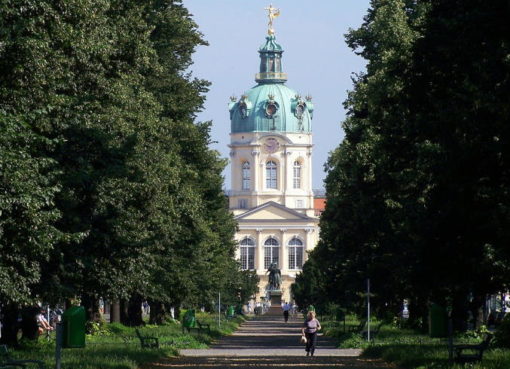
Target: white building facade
{"x":271,"y":192}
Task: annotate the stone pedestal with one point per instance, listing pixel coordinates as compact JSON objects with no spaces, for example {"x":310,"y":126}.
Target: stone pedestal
{"x":275,"y":297}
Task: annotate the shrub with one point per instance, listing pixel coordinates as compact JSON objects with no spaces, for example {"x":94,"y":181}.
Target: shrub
{"x":503,"y":333}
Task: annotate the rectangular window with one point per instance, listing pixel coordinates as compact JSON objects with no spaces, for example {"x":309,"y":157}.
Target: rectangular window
{"x":271,"y":255}
{"x":271,"y":175}
{"x":243,"y":204}
{"x":297,"y":176}
{"x":246,"y":176}
{"x":296,"y":257}
{"x":248,"y":258}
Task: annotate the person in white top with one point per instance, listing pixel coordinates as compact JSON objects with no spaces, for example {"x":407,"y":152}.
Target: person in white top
{"x":286,"y":308}
{"x":43,"y":323}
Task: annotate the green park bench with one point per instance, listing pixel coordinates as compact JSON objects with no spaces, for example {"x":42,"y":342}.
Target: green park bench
{"x":470,"y":353}
{"x":147,"y":341}
{"x":6,"y":361}
{"x":199,"y":327}
{"x":203,"y":327}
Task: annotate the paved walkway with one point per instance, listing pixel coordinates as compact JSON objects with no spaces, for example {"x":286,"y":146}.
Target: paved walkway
{"x":268,"y":341}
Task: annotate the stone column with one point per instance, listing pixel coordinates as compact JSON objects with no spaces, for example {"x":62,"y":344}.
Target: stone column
{"x":259,"y":253}
{"x":260,"y":179}
{"x":284,"y":253}
{"x":289,"y":179}
{"x":255,"y":185}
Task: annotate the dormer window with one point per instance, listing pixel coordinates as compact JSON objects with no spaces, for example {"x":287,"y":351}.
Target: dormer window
{"x":271,"y":107}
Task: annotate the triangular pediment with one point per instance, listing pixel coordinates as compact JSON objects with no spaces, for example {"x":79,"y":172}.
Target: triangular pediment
{"x":272,"y":211}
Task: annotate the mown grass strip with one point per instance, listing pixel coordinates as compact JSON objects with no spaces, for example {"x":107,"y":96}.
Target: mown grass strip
{"x":410,"y":349}
{"x":115,"y":346}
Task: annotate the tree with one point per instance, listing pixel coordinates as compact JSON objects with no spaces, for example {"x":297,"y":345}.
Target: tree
{"x":420,"y":178}
{"x":27,"y":215}
{"x":360,"y":224}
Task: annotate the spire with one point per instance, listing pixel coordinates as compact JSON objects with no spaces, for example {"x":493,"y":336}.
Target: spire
{"x":271,"y":55}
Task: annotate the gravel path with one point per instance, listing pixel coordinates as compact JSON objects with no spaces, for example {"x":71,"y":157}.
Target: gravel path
{"x":268,"y":341}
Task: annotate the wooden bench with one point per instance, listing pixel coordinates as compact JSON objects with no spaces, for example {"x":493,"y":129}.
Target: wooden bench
{"x":373,"y":332}
{"x":358,"y":328}
{"x":474,"y":351}
{"x":199,"y":327}
{"x":147,"y":341}
{"x":203,"y":327}
{"x":7,"y":361}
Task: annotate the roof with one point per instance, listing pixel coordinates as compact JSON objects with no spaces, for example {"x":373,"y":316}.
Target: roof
{"x":271,"y":211}
{"x":271,"y":106}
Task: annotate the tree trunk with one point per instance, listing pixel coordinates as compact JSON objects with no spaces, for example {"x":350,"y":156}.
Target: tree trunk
{"x":91,"y":305}
{"x":158,"y":313}
{"x":418,"y":314}
{"x":115,"y":312}
{"x":29,"y":325}
{"x":460,"y":311}
{"x":124,"y":313}
{"x":135,"y":311}
{"x":177,"y":311}
{"x":10,"y":325}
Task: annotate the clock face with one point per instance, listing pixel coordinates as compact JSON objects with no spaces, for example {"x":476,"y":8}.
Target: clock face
{"x":271,"y":145}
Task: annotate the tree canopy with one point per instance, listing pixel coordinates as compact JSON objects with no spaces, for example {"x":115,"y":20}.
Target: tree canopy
{"x":108,"y":185}
{"x":416,"y":191}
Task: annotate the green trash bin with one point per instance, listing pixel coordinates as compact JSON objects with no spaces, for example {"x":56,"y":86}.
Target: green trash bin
{"x":438,"y":321}
{"x":73,"y":321}
{"x":230,"y":312}
{"x":189,"y":320}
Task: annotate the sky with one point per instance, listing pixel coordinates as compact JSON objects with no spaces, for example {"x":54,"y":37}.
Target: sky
{"x":316,"y":60}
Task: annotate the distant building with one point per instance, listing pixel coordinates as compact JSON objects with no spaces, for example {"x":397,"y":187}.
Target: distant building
{"x":271,"y":193}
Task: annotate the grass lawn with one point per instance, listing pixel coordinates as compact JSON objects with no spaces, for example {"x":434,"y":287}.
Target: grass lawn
{"x":116,"y":346}
{"x":412,"y":350}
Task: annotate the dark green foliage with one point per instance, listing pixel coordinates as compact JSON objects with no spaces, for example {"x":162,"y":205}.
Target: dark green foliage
{"x":502,"y":334}
{"x":109,"y":187}
{"x":417,"y":189}
{"x":27,"y":212}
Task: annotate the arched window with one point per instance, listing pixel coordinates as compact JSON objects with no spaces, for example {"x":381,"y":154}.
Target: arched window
{"x":271,"y":252}
{"x":246,"y":175}
{"x":297,"y":174}
{"x":247,"y":247}
{"x":295,"y":253}
{"x":271,"y":175}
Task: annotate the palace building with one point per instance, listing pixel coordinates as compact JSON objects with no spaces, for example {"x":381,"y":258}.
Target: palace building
{"x":271,"y":193}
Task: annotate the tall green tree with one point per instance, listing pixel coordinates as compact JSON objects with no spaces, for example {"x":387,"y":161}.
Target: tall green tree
{"x":417,"y":186}
{"x":458,"y":103}
{"x":359,"y":225}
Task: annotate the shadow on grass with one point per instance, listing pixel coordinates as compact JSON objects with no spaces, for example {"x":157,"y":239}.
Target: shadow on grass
{"x":119,"y":348}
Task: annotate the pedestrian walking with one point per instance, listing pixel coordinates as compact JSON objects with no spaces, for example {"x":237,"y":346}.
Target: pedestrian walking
{"x":309,"y":330}
{"x":286,"y":309}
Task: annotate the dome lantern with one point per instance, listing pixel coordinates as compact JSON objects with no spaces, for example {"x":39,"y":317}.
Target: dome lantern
{"x":270,"y":62}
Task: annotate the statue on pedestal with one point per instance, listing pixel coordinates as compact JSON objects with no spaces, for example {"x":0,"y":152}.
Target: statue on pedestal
{"x":275,"y":277}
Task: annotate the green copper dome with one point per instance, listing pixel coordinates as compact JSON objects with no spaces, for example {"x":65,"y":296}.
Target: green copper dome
{"x":270,"y":106}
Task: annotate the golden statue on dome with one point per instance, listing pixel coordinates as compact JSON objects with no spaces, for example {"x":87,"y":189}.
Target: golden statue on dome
{"x":272,"y":14}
